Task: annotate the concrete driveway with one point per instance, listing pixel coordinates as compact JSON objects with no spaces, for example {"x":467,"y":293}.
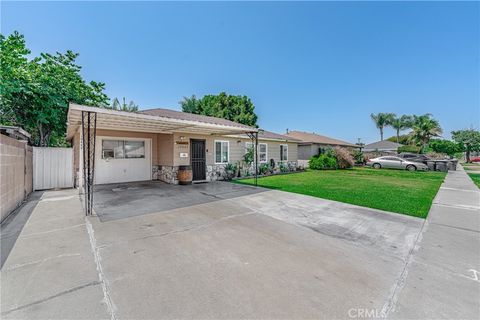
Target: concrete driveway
{"x":244,"y":253}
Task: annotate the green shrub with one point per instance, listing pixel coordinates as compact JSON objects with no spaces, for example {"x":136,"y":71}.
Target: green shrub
{"x":230,"y":171}
{"x":248,"y":157}
{"x":283,"y":167}
{"x":264,"y":168}
{"x":409,"y":149}
{"x":323,"y":161}
{"x":344,"y":158}
{"x":358,"y":156}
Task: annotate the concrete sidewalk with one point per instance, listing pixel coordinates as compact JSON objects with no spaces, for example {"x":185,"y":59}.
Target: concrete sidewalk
{"x":441,"y":279}
{"x":51,"y":273}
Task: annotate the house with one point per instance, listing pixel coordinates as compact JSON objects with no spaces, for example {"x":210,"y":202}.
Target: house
{"x":311,"y":144}
{"x":382,"y":146}
{"x":153,"y":144}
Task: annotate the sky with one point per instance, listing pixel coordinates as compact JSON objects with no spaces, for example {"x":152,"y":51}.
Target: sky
{"x":319,"y":67}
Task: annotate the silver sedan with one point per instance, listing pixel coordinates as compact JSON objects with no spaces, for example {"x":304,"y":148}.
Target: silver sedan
{"x":391,"y":162}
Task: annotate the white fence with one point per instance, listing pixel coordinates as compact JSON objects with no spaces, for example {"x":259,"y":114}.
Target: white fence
{"x":52,"y":168}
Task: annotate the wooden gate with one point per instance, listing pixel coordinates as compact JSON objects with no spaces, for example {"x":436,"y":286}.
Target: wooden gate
{"x":52,"y":168}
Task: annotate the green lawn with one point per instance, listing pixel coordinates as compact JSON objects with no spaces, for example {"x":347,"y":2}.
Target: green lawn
{"x":476,"y":178}
{"x":470,"y":164}
{"x":399,"y":191}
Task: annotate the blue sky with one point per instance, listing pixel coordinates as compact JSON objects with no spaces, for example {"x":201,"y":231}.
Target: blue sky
{"x":312,"y":66}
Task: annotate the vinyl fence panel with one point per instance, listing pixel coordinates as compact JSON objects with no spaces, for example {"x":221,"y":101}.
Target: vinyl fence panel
{"x":52,"y":168}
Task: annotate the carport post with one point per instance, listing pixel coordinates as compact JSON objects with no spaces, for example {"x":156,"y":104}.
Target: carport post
{"x":89,"y":133}
{"x":256,"y":157}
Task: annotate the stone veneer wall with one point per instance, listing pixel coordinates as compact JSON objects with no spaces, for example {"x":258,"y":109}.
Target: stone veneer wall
{"x":214,"y":172}
{"x":166,"y":174}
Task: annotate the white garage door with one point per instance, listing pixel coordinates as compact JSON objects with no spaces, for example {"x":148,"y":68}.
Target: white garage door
{"x":122,"y":160}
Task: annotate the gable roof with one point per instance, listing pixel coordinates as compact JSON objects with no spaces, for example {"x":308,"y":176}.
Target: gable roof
{"x":173,"y":114}
{"x":264,"y":134}
{"x":179,"y":115}
{"x":308,"y":138}
{"x":384,"y":145}
{"x":161,"y":121}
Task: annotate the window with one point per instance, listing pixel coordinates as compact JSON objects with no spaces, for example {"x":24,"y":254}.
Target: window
{"x":112,"y":149}
{"x":120,"y":149}
{"x":262,"y":152}
{"x":134,"y":149}
{"x":283,"y":152}
{"x":221,"y":151}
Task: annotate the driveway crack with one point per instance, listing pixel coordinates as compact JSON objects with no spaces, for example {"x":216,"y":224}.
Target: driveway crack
{"x":101,"y":276}
{"x":400,"y":283}
{"x":93,"y":283}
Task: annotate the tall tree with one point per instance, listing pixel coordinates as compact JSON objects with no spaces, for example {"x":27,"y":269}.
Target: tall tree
{"x":469,"y":139}
{"x":235,"y":108}
{"x":190,"y":105}
{"x":445,"y":146}
{"x":401,"y":123}
{"x":124,"y":106}
{"x":35,"y":93}
{"x":382,"y":120}
{"x":424,"y":128}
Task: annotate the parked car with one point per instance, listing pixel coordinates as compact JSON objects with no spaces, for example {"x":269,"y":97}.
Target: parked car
{"x":415,"y":157}
{"x":391,"y":162}
{"x":474,"y":159}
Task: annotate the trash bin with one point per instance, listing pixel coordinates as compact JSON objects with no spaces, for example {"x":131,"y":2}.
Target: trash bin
{"x":442,"y":166}
{"x":431,"y":165}
{"x":453,"y":164}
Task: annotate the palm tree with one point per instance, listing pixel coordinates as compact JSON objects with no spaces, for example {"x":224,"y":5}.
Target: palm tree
{"x":424,"y":128}
{"x":401,"y":123}
{"x":382,"y":120}
{"x":130,"y":107}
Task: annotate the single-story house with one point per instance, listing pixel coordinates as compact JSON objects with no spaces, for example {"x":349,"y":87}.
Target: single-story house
{"x":152,"y":144}
{"x":382,"y":146}
{"x":312,"y":144}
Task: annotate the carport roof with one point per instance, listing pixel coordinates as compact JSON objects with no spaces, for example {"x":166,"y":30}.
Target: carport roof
{"x":173,"y":121}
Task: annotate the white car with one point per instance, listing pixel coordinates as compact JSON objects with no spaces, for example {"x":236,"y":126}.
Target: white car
{"x":392,"y":162}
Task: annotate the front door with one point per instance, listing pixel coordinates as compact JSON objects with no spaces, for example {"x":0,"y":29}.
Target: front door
{"x":198,"y":159}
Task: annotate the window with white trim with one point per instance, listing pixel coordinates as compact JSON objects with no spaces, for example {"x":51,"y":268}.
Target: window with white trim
{"x":284,"y":152}
{"x":221,"y":151}
{"x":123,"y":149}
{"x":262,"y":152}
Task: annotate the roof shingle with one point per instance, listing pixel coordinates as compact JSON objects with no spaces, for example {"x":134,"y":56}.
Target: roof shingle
{"x":306,"y":137}
{"x":383,"y":145}
{"x":167,"y":113}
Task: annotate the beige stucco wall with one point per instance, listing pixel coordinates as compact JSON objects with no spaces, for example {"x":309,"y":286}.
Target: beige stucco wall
{"x":166,"y":148}
{"x":16,"y":173}
{"x":237,"y":147}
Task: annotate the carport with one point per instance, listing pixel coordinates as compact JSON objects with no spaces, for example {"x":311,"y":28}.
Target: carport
{"x":84,"y":121}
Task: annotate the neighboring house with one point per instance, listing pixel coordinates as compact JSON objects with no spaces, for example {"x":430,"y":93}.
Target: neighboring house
{"x":382,"y":146}
{"x":311,"y":144}
{"x":152,"y":144}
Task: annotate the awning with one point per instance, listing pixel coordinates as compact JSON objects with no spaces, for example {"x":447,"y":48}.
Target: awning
{"x":131,"y":121}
